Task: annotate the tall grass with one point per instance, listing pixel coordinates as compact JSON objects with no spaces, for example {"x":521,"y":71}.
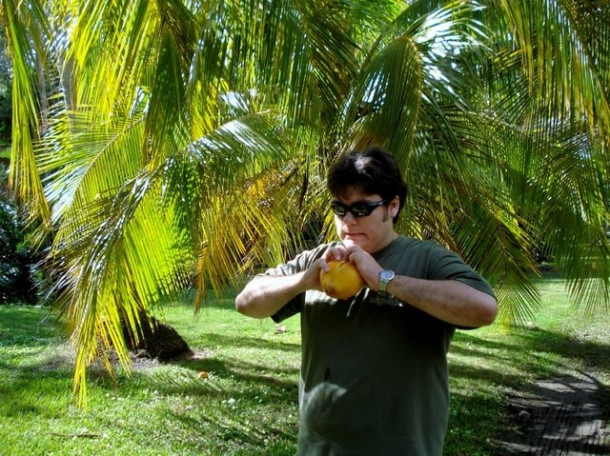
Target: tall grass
{"x":246,"y":404}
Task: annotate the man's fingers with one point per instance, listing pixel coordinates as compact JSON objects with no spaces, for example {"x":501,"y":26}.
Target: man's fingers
{"x":334,"y":253}
{"x":324,"y":265}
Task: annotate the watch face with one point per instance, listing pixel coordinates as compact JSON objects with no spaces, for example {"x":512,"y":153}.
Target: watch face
{"x":386,"y":276}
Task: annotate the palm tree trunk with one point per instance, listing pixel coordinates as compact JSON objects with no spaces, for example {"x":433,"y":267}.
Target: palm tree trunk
{"x":155,"y":340}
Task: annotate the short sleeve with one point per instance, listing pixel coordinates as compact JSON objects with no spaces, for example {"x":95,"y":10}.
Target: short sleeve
{"x":448,"y":265}
{"x":299,"y":264}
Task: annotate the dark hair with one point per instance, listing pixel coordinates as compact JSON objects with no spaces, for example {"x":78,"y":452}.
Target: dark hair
{"x":370,"y":171}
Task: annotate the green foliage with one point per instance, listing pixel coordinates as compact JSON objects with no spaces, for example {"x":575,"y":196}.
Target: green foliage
{"x":5,"y":92}
{"x":19,"y":275}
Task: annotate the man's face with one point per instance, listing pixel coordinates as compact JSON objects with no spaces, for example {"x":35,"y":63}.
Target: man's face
{"x":370,"y":232}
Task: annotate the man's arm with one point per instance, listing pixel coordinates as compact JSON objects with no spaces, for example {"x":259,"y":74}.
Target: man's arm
{"x":264,"y":295}
{"x":448,"y":300}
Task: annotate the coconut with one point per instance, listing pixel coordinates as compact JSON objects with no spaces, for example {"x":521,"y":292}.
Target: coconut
{"x":342,"y":281}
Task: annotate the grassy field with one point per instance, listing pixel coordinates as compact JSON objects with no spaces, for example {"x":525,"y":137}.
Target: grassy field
{"x":247,"y":405}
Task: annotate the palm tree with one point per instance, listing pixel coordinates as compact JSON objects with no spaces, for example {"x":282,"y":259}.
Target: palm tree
{"x":173,"y":142}
{"x":551,"y":104}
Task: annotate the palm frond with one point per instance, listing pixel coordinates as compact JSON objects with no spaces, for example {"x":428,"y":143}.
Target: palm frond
{"x":577,"y":81}
{"x":26,"y":33}
{"x":115,"y":269}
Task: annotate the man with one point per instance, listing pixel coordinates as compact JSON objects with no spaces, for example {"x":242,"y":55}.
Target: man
{"x":374,"y":369}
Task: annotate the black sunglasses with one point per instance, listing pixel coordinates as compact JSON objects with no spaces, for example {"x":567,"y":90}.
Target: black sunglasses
{"x":358,"y":209}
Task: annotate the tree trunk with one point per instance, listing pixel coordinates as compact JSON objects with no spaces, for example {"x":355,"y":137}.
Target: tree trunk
{"x":155,"y":340}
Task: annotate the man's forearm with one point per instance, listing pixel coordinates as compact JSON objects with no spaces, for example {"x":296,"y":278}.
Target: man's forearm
{"x":447,"y":300}
{"x":263,"y":296}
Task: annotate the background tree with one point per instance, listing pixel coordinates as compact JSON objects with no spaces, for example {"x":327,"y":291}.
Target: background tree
{"x":19,"y":274}
{"x":5,"y":95}
{"x":20,"y":277}
{"x":172,"y":142}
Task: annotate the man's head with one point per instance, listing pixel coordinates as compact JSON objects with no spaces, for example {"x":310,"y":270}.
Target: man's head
{"x":372,"y":171}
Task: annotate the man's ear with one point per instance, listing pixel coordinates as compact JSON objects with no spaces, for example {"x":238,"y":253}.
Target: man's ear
{"x":394,"y":206}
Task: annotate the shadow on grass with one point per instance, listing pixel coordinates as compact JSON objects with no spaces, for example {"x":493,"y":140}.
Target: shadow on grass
{"x":253,"y":399}
{"x":243,"y":406}
{"x":554,"y":398}
{"x":25,"y":325}
{"x":24,"y":395}
{"x":255,"y":437}
{"x":211,"y":339}
{"x":528,"y":344}
{"x":560,"y":415}
{"x":223,"y":378}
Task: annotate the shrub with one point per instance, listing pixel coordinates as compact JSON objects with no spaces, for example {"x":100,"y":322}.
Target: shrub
{"x":19,"y":274}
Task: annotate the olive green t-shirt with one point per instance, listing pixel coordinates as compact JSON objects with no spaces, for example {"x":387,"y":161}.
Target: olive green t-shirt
{"x":374,"y":369}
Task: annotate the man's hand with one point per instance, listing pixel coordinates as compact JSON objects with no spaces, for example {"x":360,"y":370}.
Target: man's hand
{"x":366,"y":265}
{"x":264,"y":295}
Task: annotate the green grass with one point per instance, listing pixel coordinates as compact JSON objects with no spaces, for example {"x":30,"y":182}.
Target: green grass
{"x":247,"y":405}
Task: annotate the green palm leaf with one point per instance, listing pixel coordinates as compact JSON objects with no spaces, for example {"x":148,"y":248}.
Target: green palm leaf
{"x":25,"y":27}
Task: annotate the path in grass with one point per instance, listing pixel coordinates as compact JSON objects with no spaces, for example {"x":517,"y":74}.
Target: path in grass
{"x":565,"y":410}
{"x":560,"y":416}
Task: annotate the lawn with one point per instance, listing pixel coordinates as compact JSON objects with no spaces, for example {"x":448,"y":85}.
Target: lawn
{"x":247,"y":402}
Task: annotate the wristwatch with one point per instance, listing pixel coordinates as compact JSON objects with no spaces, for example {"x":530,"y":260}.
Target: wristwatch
{"x":385,"y":277}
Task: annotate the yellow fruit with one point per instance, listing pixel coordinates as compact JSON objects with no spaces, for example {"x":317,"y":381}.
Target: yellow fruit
{"x":342,"y":281}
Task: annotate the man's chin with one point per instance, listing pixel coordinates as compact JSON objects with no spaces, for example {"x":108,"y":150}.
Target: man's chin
{"x":358,"y":240}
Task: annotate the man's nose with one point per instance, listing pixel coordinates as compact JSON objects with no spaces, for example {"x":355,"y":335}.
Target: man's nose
{"x":349,"y":218}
